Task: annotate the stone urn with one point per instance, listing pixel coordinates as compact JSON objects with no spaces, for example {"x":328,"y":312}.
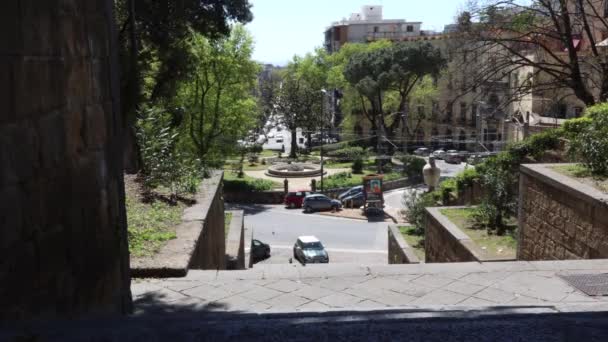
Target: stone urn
{"x":431,"y":174}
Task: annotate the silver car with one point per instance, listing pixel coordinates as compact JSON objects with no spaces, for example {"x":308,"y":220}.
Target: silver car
{"x":319,"y":202}
{"x":439,"y":154}
{"x":309,"y":250}
{"x":452,"y":157}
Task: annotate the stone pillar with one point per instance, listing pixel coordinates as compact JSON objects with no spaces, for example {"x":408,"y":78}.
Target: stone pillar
{"x":313,"y":185}
{"x":286,"y":186}
{"x":63,"y":236}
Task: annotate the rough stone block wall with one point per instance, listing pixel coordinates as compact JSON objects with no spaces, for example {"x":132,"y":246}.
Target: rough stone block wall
{"x":444,"y":242}
{"x":560,"y":218}
{"x":399,"y":252}
{"x":210,"y":253}
{"x":63,"y":238}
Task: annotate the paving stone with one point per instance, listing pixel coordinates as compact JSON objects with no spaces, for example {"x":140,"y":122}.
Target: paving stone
{"x":340,"y":300}
{"x":313,"y":306}
{"x":285,"y":285}
{"x":416,"y":290}
{"x":365,"y":292}
{"x":382,"y":283}
{"x":463,"y":288}
{"x":140,"y":289}
{"x":440,"y":297}
{"x":234,"y":303}
{"x":181,"y":285}
{"x":286,"y":301}
{"x":370,"y":304}
{"x":206,"y":292}
{"x":405,"y":278}
{"x":579,"y":297}
{"x":312,"y":292}
{"x":546,"y":288}
{"x":237,"y":287}
{"x":472,"y":301}
{"x":484,"y":279}
{"x":261,"y":294}
{"x":391,"y":298}
{"x":525,"y":300}
{"x":495,"y":295}
{"x":432,"y":280}
{"x":336,"y":284}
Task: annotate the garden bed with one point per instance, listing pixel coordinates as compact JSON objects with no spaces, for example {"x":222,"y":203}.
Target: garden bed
{"x":491,"y":245}
{"x":415,"y":241}
{"x":583,"y":175}
{"x":151,"y":218}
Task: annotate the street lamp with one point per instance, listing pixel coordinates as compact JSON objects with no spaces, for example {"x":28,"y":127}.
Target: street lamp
{"x":322,"y":126}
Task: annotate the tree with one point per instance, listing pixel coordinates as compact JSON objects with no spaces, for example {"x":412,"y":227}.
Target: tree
{"x":553,"y":41}
{"x":220,"y":107}
{"x":155,"y":54}
{"x":384,"y":80}
{"x":300,"y":100}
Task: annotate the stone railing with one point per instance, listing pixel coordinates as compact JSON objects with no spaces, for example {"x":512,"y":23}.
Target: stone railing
{"x":445,"y":242}
{"x":560,"y":217}
{"x":235,"y":242}
{"x":200,"y":242}
{"x":399,"y":252}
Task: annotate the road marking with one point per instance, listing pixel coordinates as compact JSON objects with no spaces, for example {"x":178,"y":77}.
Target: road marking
{"x":340,"y":250}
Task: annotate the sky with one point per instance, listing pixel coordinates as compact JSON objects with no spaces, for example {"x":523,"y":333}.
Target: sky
{"x":283,"y":28}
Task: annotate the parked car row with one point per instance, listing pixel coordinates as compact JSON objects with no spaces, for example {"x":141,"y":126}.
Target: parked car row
{"x":307,"y":250}
{"x":311,"y":202}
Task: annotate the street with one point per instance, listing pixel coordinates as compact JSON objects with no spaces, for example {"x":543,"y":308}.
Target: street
{"x":346,"y":240}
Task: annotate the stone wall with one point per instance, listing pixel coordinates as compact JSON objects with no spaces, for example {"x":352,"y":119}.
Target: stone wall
{"x":63,"y":236}
{"x":399,"y":252}
{"x":260,"y":197}
{"x":444,"y":242}
{"x":200,"y":239}
{"x":235,"y":242}
{"x":560,"y":217}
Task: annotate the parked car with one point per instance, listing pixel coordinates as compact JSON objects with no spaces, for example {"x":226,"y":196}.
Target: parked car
{"x":422,"y":151}
{"x":259,"y":250}
{"x":279,"y":140}
{"x":351,"y":192}
{"x":463,"y":155}
{"x":354,"y":201}
{"x":295,"y":199}
{"x":452,"y":157}
{"x":270,"y":135}
{"x":439,"y":154}
{"x":308,"y":249}
{"x":320,"y":202}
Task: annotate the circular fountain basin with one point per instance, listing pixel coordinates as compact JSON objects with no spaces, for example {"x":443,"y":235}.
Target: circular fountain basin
{"x":294,"y":170}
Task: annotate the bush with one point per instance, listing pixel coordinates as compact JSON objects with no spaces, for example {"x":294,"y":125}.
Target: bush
{"x":415,"y":204}
{"x":347,"y":154}
{"x":357,"y":166}
{"x":446,"y":189}
{"x":340,"y":180}
{"x":247,"y":185}
{"x":466,"y":178}
{"x":412,"y":165}
{"x":590,"y":142}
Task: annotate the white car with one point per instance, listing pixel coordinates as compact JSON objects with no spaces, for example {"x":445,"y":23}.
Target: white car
{"x":279,"y":140}
{"x":309,"y":250}
{"x":439,"y":154}
{"x":270,"y":135}
{"x":452,"y":157}
{"x":422,"y":151}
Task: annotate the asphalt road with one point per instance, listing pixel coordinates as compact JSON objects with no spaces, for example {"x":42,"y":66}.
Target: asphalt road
{"x":346,"y":240}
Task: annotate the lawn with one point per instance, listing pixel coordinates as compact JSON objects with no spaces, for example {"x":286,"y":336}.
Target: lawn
{"x":348,"y":179}
{"x":492,"y":245}
{"x":151,"y":220}
{"x":231,"y":165}
{"x":582,"y":174}
{"x":415,"y":241}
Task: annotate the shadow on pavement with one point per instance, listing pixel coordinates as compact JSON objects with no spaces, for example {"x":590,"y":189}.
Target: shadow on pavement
{"x":249,"y":209}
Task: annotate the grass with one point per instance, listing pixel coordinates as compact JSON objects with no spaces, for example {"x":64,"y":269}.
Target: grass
{"x":414,"y":240}
{"x":231,"y":165}
{"x":492,"y":245}
{"x":151,"y":225}
{"x":227,"y":220}
{"x":583,"y":174}
{"x":348,"y":179}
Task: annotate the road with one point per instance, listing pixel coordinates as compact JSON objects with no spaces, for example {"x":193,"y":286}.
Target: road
{"x":351,"y":241}
{"x":272,"y":143}
{"x":393,"y":199}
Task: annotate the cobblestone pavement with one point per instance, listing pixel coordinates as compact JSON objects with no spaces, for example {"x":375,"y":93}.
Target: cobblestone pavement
{"x":293,"y":288}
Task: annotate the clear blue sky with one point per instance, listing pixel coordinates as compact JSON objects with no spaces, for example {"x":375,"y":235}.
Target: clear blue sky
{"x":282,"y":28}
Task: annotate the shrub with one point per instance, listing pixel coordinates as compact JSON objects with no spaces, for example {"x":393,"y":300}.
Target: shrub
{"x":412,"y":165}
{"x":590,"y":142}
{"x":415,"y":204}
{"x":447,"y":188}
{"x":347,"y":154}
{"x":340,"y":180}
{"x":247,"y":185}
{"x":357,"y":166}
{"x":466,"y":178}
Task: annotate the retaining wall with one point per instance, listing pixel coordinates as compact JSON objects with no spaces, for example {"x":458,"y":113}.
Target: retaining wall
{"x":560,"y":217}
{"x":399,"y":252}
{"x":235,"y":242}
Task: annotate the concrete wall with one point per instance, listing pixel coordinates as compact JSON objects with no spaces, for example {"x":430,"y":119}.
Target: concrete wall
{"x":235,"y":242}
{"x":63,"y":236}
{"x":399,"y":252}
{"x":560,"y":217}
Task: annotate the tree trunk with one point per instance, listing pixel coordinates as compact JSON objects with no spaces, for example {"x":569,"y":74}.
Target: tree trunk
{"x":131,"y":153}
{"x":294,"y":143}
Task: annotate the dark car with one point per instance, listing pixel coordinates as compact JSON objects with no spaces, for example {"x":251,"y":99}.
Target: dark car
{"x":351,"y":192}
{"x":308,"y":249}
{"x":354,"y":201}
{"x":319,"y":202}
{"x":295,"y":199}
{"x":259,"y":250}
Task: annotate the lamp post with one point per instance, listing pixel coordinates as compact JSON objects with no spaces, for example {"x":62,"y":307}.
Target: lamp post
{"x":322,"y":142}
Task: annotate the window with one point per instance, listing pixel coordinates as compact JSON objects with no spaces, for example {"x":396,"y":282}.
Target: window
{"x":473,"y":111}
{"x":579,"y":110}
{"x":409,"y":28}
{"x":376,"y":29}
{"x":463,"y":111}
{"x":449,"y":111}
{"x":605,"y":8}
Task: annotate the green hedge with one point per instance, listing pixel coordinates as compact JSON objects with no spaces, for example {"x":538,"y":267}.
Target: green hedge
{"x":589,"y":139}
{"x":412,"y":165}
{"x":247,"y":185}
{"x":348,"y":154}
